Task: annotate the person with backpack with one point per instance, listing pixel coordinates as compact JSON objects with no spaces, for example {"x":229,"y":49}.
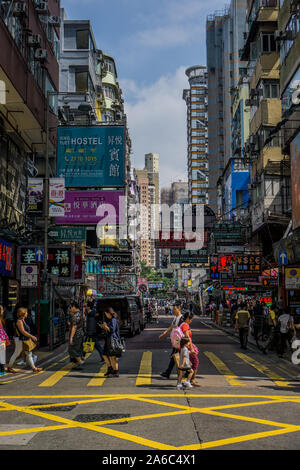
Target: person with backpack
{"x":185,"y":328}
{"x":175,"y":323}
{"x":286,"y":324}
{"x":272,"y":325}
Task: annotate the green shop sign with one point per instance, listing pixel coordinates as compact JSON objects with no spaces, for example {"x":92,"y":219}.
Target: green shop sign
{"x":68,"y":234}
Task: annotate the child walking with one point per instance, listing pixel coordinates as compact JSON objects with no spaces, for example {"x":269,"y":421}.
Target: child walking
{"x":184,"y":365}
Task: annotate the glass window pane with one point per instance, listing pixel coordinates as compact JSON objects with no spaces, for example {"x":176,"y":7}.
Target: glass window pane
{"x":81,"y":81}
{"x":83,"y":39}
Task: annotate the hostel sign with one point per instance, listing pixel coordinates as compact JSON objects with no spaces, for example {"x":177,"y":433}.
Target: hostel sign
{"x":91,"y":156}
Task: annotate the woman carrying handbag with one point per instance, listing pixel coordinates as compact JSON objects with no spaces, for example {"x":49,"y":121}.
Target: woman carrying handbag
{"x":24,"y":342}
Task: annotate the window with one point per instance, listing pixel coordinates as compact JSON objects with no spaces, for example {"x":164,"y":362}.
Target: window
{"x":110,"y":66}
{"x":271,"y":90}
{"x":81,"y":81}
{"x":83,"y":39}
{"x":272,"y":187}
{"x":268,"y":43}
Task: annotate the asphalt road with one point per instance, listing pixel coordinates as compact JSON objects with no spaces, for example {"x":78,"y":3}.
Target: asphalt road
{"x":246,"y":401}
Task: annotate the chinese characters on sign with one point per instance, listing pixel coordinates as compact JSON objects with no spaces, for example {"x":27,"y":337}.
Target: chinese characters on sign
{"x":246,"y":265}
{"x":6,"y":254}
{"x":60,"y":259}
{"x":57,"y":197}
{"x":91,"y":156}
{"x":81,"y":207}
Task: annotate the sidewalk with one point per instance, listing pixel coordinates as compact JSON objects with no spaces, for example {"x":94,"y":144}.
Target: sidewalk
{"x":44,"y":355}
{"x":251,"y":341}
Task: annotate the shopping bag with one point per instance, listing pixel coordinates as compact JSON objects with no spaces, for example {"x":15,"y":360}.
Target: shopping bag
{"x":88,"y":346}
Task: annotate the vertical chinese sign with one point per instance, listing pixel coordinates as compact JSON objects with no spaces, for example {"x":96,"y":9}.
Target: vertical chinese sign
{"x":91,"y":156}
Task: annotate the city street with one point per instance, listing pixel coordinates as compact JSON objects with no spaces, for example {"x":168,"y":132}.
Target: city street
{"x":246,"y":400}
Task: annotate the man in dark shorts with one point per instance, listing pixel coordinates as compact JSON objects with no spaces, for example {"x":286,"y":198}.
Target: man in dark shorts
{"x":76,"y":335}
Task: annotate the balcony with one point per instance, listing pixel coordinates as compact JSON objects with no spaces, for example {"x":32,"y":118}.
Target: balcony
{"x":267,"y":114}
{"x":267,"y":67}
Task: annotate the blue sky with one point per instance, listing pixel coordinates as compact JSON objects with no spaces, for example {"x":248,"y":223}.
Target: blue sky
{"x":152,"y":42}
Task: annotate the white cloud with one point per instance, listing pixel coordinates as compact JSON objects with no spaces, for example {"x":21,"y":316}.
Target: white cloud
{"x":157,"y":123}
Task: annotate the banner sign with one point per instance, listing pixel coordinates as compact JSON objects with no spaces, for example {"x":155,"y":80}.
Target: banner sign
{"x":116,"y":258}
{"x":81,"y":208}
{"x":57,"y":197}
{"x":156,"y":285}
{"x":35,"y":195}
{"x":188,"y":256}
{"x":68,"y":234}
{"x":91,"y":156}
{"x":117,"y":284}
{"x":6,"y":257}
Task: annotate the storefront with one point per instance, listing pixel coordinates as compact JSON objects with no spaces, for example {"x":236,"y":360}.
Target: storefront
{"x":9,"y":287}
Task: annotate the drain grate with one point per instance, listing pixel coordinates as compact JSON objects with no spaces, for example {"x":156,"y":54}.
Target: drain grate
{"x":53,"y":408}
{"x":101,"y":417}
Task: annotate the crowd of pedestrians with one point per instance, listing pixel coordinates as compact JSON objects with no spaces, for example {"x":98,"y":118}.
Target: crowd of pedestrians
{"x":273,"y":327}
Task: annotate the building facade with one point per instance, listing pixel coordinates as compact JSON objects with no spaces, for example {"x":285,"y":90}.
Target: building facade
{"x":197,"y":158}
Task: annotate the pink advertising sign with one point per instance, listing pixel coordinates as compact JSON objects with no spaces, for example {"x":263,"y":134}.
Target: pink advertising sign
{"x":92,"y":207}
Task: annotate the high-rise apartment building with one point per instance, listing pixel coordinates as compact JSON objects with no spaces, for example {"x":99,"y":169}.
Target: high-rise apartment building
{"x":224,"y":38}
{"x":269,"y":161}
{"x":148,"y":180}
{"x":196,"y":101}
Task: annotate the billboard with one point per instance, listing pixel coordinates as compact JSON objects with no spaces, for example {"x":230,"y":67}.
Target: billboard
{"x":295,"y":180}
{"x":56,"y":197}
{"x":35,"y":190}
{"x":91,"y":156}
{"x":81,"y":207}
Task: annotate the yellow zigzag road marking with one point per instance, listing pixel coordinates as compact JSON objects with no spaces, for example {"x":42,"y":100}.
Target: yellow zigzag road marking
{"x":224,"y":370}
{"x":121,"y":435}
{"x":280,"y":381}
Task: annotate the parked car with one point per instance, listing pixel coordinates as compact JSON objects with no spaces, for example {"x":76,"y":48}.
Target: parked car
{"x":130,"y":312}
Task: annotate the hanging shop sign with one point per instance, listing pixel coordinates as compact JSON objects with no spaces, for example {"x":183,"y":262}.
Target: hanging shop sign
{"x":156,"y":285}
{"x":35,"y":190}
{"x":116,"y":258}
{"x":179,"y":239}
{"x":188,"y":256}
{"x":6,"y":257}
{"x":61,"y":261}
{"x":292,"y":278}
{"x":117,"y":284}
{"x":57,"y":197}
{"x":81,"y":208}
{"x":227,"y":231}
{"x":68,"y":234}
{"x":248,"y":265}
{"x":91,"y":156}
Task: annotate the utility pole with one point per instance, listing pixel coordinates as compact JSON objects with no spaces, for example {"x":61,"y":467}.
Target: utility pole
{"x":46,"y":202}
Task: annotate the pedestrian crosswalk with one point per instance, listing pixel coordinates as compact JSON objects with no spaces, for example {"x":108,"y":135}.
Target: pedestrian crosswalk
{"x":142,"y":369}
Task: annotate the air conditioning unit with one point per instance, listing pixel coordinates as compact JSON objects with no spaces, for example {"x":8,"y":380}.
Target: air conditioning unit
{"x":283,"y":35}
{"x":54,"y":20}
{"x":253,"y":92}
{"x":34,"y":40}
{"x":42,"y":8}
{"x":41,"y":54}
{"x":20,"y":9}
